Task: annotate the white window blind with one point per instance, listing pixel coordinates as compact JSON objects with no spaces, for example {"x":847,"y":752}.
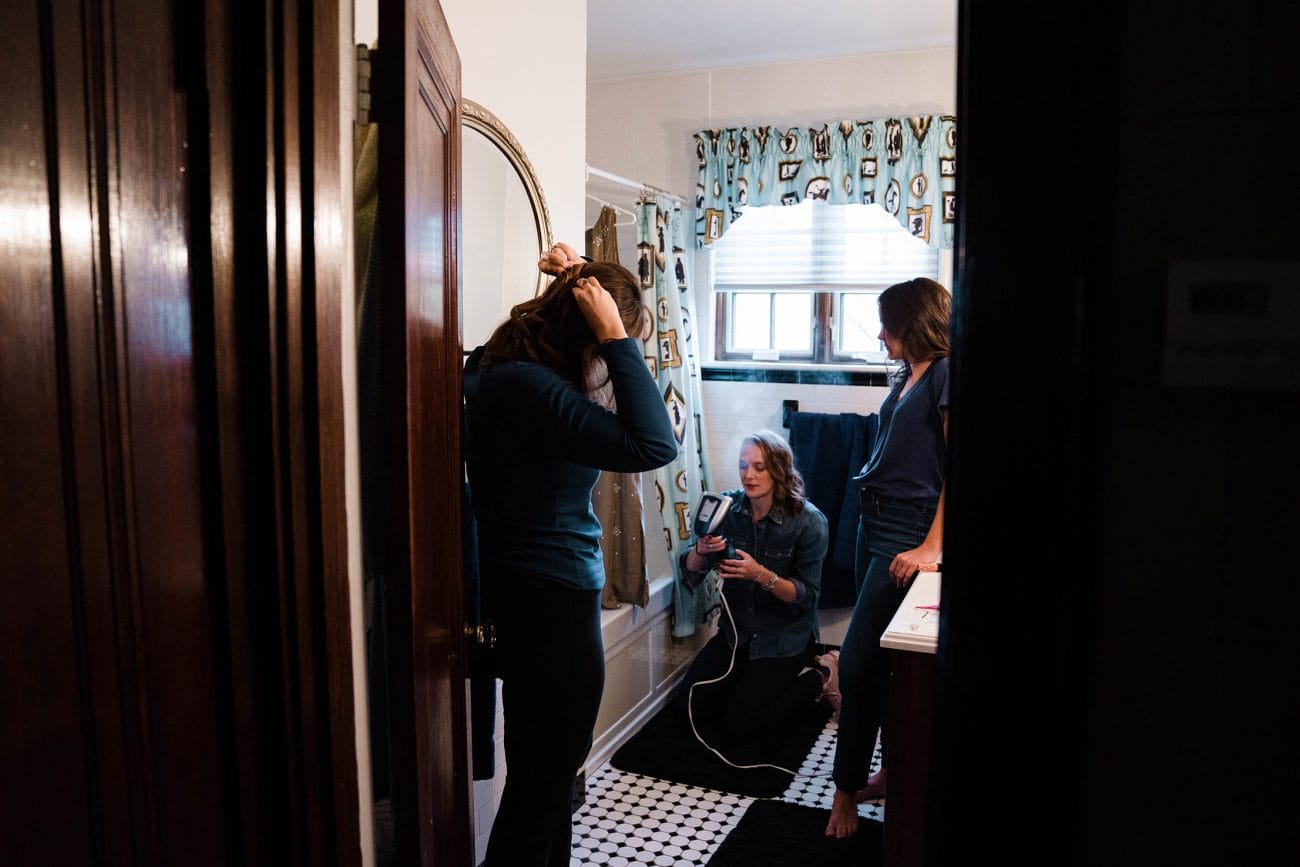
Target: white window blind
{"x":815,"y":245}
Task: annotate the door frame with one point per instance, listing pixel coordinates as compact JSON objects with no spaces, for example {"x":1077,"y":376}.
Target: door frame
{"x":268,"y":320}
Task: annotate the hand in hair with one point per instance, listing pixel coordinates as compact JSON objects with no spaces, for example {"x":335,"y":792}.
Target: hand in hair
{"x":560,"y":258}
{"x":599,"y":309}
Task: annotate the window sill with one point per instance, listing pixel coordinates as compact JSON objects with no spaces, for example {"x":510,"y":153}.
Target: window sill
{"x":803,"y":374}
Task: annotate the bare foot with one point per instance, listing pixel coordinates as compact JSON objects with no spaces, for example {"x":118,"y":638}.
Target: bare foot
{"x":874,"y":790}
{"x":844,"y":816}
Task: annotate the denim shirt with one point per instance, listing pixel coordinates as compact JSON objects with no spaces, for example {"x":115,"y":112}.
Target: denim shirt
{"x":790,"y":545}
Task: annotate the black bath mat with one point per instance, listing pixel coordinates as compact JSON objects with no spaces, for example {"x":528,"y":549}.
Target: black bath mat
{"x":792,"y":835}
{"x":666,"y":748}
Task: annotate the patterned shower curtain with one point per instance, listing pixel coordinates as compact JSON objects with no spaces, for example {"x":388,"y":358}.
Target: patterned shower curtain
{"x":671,"y":354}
{"x":907,"y":165}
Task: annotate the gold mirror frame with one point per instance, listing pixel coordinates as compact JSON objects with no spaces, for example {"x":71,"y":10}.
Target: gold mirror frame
{"x":478,"y":118}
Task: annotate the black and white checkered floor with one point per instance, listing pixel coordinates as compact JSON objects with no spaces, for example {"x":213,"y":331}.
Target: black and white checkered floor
{"x":630,"y":819}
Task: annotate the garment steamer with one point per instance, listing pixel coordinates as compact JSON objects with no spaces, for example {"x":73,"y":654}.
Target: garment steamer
{"x":709,"y":514}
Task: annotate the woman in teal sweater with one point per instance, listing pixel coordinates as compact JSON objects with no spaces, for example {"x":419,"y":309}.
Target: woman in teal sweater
{"x":535,"y":443}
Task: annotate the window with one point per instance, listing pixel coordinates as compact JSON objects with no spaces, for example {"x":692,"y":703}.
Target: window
{"x":800,"y":283}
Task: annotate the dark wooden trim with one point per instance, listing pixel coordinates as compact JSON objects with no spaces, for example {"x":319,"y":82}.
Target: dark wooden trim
{"x":327,"y":254}
{"x":172,"y":399}
{"x":279,"y":433}
{"x":823,"y":336}
{"x":416,"y":93}
{"x":720,"y":325}
{"x":911,"y":713}
{"x":874,"y":378}
{"x":240,"y":516}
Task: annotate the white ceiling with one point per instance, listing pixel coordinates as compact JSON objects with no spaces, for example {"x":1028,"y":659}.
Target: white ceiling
{"x":641,"y":37}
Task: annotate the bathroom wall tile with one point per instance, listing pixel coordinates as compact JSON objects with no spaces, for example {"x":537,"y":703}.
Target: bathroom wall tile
{"x":499,"y":781}
{"x":482,"y":793}
{"x":483,"y":819}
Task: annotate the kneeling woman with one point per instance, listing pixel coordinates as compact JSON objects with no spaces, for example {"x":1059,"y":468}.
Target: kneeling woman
{"x":771,"y":588}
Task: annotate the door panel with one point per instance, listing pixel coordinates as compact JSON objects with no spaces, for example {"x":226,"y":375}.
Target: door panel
{"x":416,"y":95}
{"x":109,"y":669}
{"x":37,"y":627}
{"x":177,"y":666}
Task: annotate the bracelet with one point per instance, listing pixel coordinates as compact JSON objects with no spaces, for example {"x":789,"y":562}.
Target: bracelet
{"x":771,"y":583}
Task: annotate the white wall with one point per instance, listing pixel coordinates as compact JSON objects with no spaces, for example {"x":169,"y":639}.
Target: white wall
{"x":735,"y":409}
{"x":526,"y":62}
{"x":642,"y":127}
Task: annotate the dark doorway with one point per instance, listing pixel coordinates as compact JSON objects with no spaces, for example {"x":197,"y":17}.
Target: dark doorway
{"x":1106,"y":678}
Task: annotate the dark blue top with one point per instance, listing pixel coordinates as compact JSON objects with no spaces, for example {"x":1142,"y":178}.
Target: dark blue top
{"x":535,"y":445}
{"x":791,"y":545}
{"x":907,"y":462}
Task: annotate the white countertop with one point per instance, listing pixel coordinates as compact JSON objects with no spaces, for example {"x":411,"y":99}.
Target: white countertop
{"x":915,"y":626}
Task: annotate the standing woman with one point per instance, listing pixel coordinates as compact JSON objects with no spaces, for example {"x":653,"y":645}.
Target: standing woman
{"x":901,"y":531}
{"x":535,"y":443}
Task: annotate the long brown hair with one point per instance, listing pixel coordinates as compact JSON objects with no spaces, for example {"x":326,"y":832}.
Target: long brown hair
{"x":916,"y":314}
{"x":787,"y":484}
{"x":551,"y":330}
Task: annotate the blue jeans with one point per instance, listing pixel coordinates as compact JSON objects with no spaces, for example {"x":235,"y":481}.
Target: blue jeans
{"x":887,"y":528}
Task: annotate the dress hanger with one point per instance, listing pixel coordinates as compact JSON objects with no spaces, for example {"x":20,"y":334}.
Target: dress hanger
{"x":631,"y":217}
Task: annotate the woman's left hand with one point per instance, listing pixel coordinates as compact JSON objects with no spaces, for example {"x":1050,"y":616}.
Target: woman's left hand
{"x":907,"y":564}
{"x":743,"y":568}
{"x":560,"y":258}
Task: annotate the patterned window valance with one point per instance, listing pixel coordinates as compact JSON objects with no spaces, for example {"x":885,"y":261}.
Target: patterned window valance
{"x":906,"y":165}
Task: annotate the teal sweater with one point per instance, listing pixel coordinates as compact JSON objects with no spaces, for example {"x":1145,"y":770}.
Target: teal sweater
{"x":535,"y":445}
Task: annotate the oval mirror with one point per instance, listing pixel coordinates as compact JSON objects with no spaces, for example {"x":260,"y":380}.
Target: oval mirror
{"x":505,"y":225}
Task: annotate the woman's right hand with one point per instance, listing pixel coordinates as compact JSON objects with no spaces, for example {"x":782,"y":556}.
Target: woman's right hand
{"x":706,"y":545}
{"x":560,"y":258}
{"x":599,"y":309}
{"x":908,"y":564}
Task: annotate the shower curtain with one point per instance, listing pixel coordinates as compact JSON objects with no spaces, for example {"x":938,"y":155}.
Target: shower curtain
{"x":671,"y":354}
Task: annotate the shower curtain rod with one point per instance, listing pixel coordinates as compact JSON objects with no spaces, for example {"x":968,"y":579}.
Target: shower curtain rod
{"x":628,"y":182}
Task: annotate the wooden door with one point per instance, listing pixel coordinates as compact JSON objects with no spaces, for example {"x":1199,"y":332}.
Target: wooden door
{"x":109,"y":660}
{"x":416,"y":96}
{"x":176,"y":678}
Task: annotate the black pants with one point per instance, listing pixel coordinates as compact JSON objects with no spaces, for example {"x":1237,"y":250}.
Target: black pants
{"x":551,"y":661}
{"x":758,"y":695}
